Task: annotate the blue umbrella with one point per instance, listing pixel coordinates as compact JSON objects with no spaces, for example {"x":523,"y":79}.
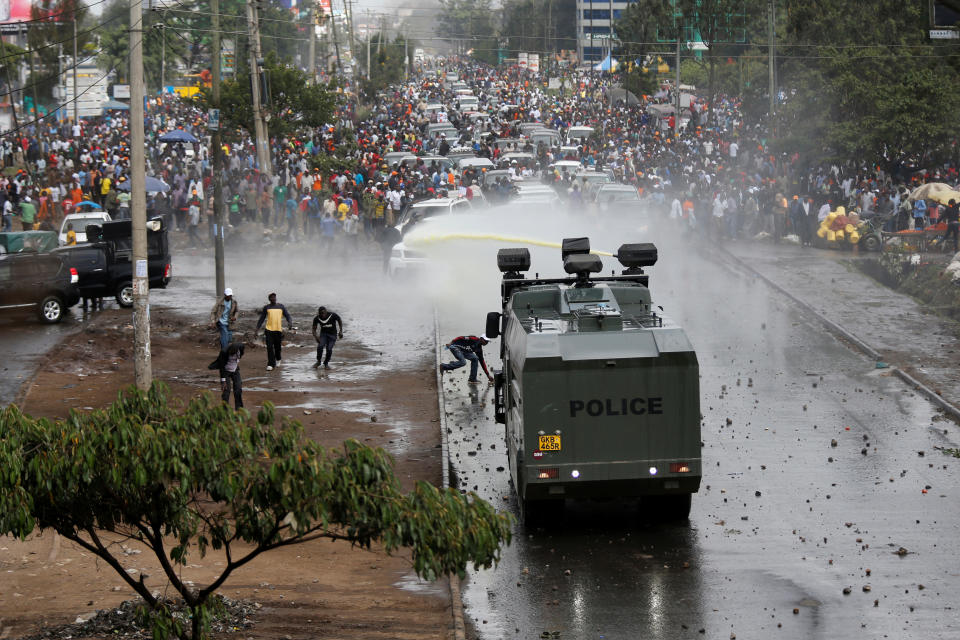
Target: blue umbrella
{"x":177,"y":135}
{"x":152,"y":185}
{"x":88,"y":203}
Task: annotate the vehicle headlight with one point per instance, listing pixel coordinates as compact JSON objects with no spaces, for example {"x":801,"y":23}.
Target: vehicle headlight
{"x":396,"y":253}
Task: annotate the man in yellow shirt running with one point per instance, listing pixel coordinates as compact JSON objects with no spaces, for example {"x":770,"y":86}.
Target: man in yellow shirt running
{"x":273,"y":315}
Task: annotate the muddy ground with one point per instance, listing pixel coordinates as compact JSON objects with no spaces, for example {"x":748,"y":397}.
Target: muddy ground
{"x":315,"y":590}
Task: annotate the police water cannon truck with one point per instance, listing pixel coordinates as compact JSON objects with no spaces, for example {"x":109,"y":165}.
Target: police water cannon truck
{"x":599,"y":391}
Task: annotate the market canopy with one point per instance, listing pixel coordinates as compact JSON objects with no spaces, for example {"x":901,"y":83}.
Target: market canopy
{"x":617,"y":93}
{"x":936,"y":191}
{"x":607,"y":64}
{"x":115,"y":105}
{"x":177,"y":135}
{"x":152,"y":185}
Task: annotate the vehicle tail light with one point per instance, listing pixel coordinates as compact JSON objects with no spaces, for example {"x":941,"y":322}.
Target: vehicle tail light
{"x":167,"y":270}
{"x":548,"y":473}
{"x":74,"y":276}
{"x":679,"y":467}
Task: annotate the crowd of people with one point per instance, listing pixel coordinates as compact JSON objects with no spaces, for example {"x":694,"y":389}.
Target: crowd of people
{"x":715,"y":174}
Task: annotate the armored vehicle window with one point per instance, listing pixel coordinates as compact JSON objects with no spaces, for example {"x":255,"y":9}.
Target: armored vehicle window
{"x":595,"y":294}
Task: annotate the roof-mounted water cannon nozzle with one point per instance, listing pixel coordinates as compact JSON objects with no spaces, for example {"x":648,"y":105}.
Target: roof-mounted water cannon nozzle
{"x":582,"y":264}
{"x":573,"y":246}
{"x":636,"y":256}
{"x":512,"y":262}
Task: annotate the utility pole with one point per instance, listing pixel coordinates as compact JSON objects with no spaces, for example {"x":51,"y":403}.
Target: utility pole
{"x":312,"y":50}
{"x":76,"y":61}
{"x":547,"y":48}
{"x":336,"y":39}
{"x":406,"y":56}
{"x":217,"y":151}
{"x":33,"y":81}
{"x":259,"y":126}
{"x":163,"y":56}
{"x":142,"y":369}
{"x":369,"y":18}
{"x":354,"y":59}
{"x":676,"y":116}
{"x":10,"y":89}
{"x":772,"y":34}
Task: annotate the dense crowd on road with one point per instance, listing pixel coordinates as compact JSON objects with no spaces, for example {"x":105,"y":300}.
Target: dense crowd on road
{"x":713,"y":173}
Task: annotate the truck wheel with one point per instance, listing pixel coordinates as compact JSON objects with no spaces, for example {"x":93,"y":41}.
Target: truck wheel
{"x":540,"y":513}
{"x":673,"y":508}
{"x":871,"y":243}
{"x":125,"y":294}
{"x":51,"y":310}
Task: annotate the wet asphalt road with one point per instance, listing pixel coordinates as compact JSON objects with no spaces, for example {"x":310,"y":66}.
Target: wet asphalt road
{"x":24,"y":342}
{"x":783,"y":523}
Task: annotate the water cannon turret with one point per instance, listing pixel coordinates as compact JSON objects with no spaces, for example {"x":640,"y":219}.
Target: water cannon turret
{"x":578,"y":261}
{"x":582,"y":265}
{"x":512,"y":262}
{"x":572,"y":246}
{"x":636,"y":256}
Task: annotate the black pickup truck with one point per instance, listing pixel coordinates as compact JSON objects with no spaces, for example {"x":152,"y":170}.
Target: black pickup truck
{"x":105,"y":263}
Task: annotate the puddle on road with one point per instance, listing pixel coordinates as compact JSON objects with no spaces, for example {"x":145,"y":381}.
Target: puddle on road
{"x":410,"y":582}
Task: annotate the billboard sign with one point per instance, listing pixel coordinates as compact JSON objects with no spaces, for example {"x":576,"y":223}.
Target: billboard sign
{"x":533,"y":62}
{"x":12,"y":13}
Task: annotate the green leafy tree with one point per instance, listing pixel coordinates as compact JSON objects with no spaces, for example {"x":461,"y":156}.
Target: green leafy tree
{"x":470,"y":26}
{"x":538,"y":25}
{"x":292,"y":102}
{"x":53,"y":22}
{"x":160,"y":43}
{"x":637,"y":31}
{"x":865,"y":89}
{"x":386,"y":62}
{"x":185,"y":482}
{"x":725,"y":26}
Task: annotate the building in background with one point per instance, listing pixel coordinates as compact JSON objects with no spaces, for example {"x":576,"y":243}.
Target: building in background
{"x":595,"y":27}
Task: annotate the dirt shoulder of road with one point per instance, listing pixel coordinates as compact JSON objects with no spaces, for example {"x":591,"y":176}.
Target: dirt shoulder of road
{"x":315,"y":590}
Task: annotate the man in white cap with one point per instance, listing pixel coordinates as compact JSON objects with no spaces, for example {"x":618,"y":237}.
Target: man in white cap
{"x":223,"y":317}
{"x":470,"y":348}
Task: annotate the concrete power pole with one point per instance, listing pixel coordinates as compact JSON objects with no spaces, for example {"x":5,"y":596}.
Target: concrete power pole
{"x":336,"y":38}
{"x":217,"y":151}
{"x":772,"y":34}
{"x":76,"y":61}
{"x":142,"y":369}
{"x":676,"y":116}
{"x":312,"y":51}
{"x":353,"y":48}
{"x":259,"y":125}
{"x":369,"y":18}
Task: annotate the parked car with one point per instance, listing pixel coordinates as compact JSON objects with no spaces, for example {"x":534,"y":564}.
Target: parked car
{"x":38,"y":281}
{"x":405,"y":261}
{"x":578,"y":134}
{"x":80,"y":222}
{"x":424,"y":209}
{"x":104,"y":266}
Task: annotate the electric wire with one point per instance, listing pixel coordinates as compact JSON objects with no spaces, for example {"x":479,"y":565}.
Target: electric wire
{"x":52,"y":15}
{"x":46,"y":79}
{"x":24,"y":125}
{"x":59,"y":42}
